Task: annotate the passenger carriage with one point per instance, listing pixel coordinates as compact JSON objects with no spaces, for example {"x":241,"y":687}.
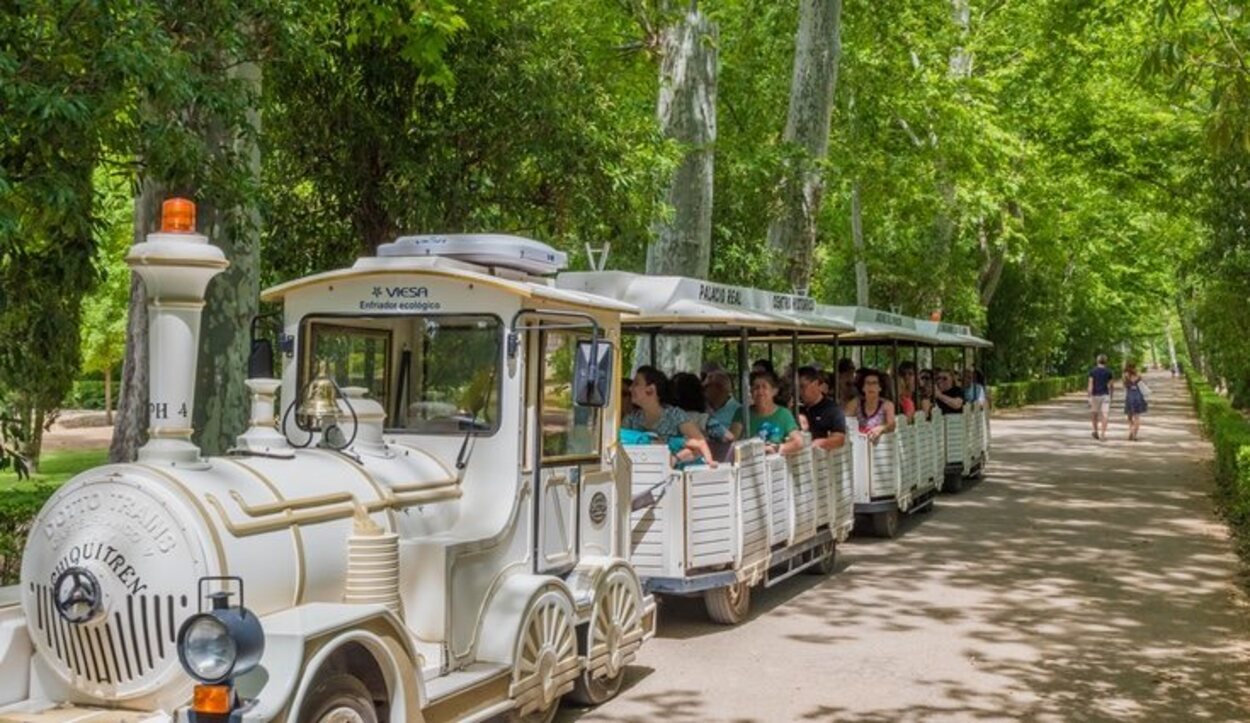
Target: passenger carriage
{"x":966,"y":436}
{"x":901,"y":473}
{"x":424,"y":529}
{"x":757,"y":518}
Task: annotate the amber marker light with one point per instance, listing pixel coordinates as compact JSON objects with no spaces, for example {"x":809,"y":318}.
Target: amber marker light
{"x":177,"y":216}
{"x":211,"y":699}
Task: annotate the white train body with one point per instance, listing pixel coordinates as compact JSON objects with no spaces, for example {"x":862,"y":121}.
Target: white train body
{"x":448,"y":593}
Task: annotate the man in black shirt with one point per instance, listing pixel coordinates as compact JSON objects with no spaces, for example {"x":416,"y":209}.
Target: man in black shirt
{"x":1100,"y":388}
{"x":949,"y":398}
{"x":823,"y":417}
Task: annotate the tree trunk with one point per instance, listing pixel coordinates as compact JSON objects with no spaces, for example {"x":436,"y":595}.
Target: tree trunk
{"x":221,"y":397}
{"x":108,"y":394}
{"x":995,"y":259}
{"x":686,"y":111}
{"x":130,"y":427}
{"x":857,"y":238}
{"x":817,"y":47}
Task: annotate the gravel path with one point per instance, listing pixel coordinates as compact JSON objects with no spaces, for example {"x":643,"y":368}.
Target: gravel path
{"x":1082,"y":580}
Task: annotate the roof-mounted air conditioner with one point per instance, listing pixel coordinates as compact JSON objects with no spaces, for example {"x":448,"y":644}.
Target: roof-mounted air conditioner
{"x":491,"y":249}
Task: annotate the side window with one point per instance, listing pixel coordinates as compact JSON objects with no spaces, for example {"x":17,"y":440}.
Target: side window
{"x":355,"y":357}
{"x":568,"y":430}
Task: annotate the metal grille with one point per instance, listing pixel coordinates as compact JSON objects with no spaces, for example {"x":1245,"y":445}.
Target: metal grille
{"x":118,"y":648}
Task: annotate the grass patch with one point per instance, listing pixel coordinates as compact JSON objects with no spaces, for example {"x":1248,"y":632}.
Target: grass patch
{"x":55,"y":468}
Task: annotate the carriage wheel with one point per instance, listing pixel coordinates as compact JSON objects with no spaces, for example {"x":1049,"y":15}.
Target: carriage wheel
{"x":614,"y":631}
{"x":828,"y":560}
{"x":885,"y":524}
{"x":546,"y":659}
{"x":728,"y":605}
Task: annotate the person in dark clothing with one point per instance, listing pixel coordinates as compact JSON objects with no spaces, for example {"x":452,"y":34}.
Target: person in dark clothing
{"x":845,"y":390}
{"x":948,"y":397}
{"x":1101,"y":387}
{"x":820,"y":415}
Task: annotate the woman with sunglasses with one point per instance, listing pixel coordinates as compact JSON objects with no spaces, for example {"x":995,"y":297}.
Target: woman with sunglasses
{"x":873,"y":413}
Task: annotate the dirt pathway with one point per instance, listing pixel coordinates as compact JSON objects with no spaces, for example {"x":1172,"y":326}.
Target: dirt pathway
{"x":1082,"y":580}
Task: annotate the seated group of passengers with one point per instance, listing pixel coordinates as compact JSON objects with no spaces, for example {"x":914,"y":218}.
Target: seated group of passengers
{"x":691,"y":415}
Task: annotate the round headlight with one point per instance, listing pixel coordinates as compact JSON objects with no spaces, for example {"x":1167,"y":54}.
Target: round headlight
{"x":207,"y":649}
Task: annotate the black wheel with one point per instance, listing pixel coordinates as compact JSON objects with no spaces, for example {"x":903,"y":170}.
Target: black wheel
{"x":728,"y":605}
{"x":339,"y":698}
{"x":885,"y":524}
{"x":954,"y":483}
{"x":828,"y":560}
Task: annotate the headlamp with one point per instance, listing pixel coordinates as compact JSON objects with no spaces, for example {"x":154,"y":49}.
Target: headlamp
{"x":222,"y":643}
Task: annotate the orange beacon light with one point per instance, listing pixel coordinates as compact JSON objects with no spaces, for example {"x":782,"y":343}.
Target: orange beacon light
{"x":177,"y":216}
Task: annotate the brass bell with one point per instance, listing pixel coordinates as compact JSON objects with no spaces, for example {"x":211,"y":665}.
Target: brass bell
{"x":321,"y":401}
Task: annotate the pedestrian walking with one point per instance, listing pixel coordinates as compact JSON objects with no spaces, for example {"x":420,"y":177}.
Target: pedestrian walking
{"x":1135,"y":392}
{"x":1100,"y":388}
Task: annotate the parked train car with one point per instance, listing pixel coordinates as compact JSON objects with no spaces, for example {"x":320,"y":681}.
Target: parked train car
{"x":758,"y":518}
{"x":426,"y":529}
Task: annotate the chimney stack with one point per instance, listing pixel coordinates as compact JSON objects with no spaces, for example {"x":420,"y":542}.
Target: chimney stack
{"x":176,"y":264}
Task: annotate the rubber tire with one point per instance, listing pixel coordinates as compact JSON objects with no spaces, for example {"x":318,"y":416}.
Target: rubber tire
{"x":828,"y":562}
{"x":541,"y":716}
{"x":954,"y":484}
{"x":885,"y":524}
{"x":721,"y":607}
{"x":340,"y":690}
{"x":595,"y":692}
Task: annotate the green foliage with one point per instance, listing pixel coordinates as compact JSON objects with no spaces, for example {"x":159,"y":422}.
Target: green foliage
{"x":1019,"y":394}
{"x":18,"y":508}
{"x":1229,"y":433}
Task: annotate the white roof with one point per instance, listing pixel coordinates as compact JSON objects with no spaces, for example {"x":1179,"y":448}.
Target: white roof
{"x":877,"y":325}
{"x":524,"y":287}
{"x":953,"y":334}
{"x":680,"y":303}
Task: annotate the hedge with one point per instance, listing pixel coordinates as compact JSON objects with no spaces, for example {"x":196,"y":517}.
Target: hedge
{"x":18,"y":507}
{"x":1018,"y":394}
{"x":1229,"y":433}
{"x":88,"y":394}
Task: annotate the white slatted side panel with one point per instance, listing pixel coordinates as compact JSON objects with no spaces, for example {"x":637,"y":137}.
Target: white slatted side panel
{"x":886,"y":467}
{"x":652,"y":528}
{"x":710,"y":519}
{"x":823,"y":474}
{"x":955,"y":439}
{"x":779,"y":512}
{"x":924,"y":448}
{"x":938,"y":440}
{"x":753,"y":489}
{"x":842,"y":479}
{"x":861,"y":466}
{"x":802,"y":495}
{"x":909,"y":471}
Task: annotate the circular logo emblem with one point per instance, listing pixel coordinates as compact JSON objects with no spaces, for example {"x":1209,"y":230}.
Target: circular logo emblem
{"x":598,"y":508}
{"x":77,"y":595}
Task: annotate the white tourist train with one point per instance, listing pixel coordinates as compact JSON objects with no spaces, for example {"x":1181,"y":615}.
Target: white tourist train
{"x":438,"y":522}
{"x":966,"y":439}
{"x":425,"y":530}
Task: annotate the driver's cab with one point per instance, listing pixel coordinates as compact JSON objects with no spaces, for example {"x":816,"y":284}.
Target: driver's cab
{"x":470,"y":355}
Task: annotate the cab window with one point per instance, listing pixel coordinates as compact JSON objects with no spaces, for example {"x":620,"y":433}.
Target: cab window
{"x":568,"y":429}
{"x":433,"y":374}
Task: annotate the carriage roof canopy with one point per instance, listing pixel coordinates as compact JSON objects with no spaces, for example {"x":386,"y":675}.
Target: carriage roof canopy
{"x":677,"y":304}
{"x":875,"y":325}
{"x":953,"y":334}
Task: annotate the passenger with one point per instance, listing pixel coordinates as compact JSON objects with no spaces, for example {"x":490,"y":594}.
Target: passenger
{"x":974,"y":388}
{"x":873,"y":412}
{"x":627,"y":402}
{"x":948,"y":397}
{"x":688,"y":396}
{"x":763,"y":365}
{"x":820,"y":415}
{"x":785,"y":387}
{"x":769,"y":422}
{"x":656,"y":415}
{"x":709,"y":367}
{"x":907,"y":388}
{"x":718,"y":389}
{"x":846,"y":381}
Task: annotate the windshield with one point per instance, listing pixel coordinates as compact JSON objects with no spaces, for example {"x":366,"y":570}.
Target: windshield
{"x":433,"y":374}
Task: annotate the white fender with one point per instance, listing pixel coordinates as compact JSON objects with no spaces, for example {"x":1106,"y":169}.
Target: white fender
{"x":500,"y":629}
{"x":15,"y":652}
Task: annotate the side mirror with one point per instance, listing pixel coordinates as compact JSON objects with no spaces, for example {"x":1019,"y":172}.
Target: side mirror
{"x":592,"y":374}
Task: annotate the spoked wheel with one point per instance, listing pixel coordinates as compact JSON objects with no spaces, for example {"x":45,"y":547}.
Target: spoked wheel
{"x":885,"y":524}
{"x":546,"y":659}
{"x":340,"y":698}
{"x":828,"y":560}
{"x":728,"y":605}
{"x":612,"y":637}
